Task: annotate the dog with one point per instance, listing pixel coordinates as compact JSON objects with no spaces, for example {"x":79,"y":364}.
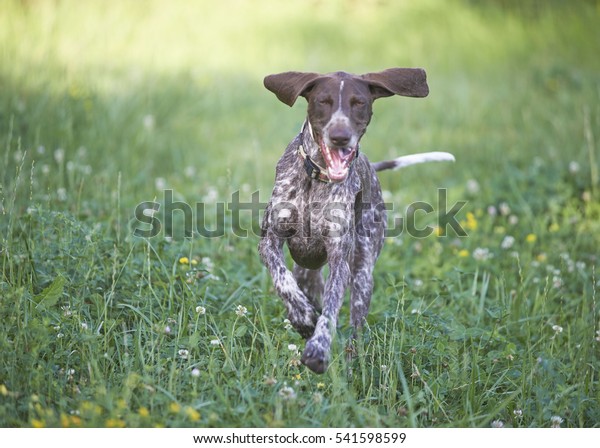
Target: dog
{"x":326,"y":203}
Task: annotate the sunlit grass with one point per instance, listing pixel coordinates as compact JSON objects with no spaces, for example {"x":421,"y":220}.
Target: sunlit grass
{"x":103,"y":108}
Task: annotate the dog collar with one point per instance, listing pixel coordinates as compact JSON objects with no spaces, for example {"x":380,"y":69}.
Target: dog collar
{"x":312,"y":168}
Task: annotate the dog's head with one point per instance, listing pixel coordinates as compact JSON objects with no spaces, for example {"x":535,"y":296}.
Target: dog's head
{"x":340,"y":106}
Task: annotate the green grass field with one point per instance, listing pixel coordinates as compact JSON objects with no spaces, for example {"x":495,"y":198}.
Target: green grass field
{"x":104,"y":106}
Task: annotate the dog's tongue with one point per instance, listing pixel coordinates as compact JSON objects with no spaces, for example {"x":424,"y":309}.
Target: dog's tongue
{"x":337,"y":168}
{"x":338,"y":161}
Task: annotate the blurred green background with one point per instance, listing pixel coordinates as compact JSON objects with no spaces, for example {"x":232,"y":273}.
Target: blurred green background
{"x":151,"y":88}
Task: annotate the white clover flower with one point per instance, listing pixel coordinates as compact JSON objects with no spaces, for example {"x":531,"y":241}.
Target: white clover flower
{"x":557,"y":281}
{"x":61,"y":193}
{"x":492,"y":211}
{"x":497,"y":424}
{"x":207,"y":263}
{"x":149,"y":122}
{"x":507,"y":242}
{"x":482,"y":254}
{"x":189,"y":171}
{"x":556,"y":421}
{"x":557,"y":328}
{"x":574,"y":167}
{"x":241,"y":310}
{"x":59,"y":155}
{"x":84,"y":326}
{"x":287,"y":324}
{"x":211,"y":195}
{"x":292,"y":347}
{"x":200,"y":310}
{"x":168,"y":330}
{"x":518,"y":413}
{"x":215,"y":342}
{"x":160,"y":183}
{"x":473,"y":186}
{"x":504,"y":209}
{"x":183,"y":353}
{"x":287,"y":393}
{"x":195,"y":372}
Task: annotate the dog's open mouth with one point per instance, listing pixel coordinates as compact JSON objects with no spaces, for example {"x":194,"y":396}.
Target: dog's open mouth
{"x":338,"y":161}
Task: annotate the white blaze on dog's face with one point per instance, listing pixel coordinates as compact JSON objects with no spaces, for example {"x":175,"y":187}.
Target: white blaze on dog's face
{"x":339,"y":111}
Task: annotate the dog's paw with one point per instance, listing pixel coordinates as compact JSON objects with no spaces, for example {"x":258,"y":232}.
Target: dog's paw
{"x":315,"y":358}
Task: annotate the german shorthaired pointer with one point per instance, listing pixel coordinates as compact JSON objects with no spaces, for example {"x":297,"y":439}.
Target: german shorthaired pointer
{"x":326,"y":202}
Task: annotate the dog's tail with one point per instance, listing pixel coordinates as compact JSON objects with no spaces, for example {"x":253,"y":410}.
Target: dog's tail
{"x":413,"y":159}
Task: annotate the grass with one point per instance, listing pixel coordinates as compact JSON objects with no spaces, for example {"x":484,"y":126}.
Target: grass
{"x":104,"y":108}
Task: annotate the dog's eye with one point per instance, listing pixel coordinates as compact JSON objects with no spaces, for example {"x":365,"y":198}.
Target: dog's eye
{"x":325,"y":101}
{"x":357,"y":102}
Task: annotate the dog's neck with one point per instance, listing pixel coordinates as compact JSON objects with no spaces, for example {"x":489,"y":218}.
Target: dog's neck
{"x":311,"y":147}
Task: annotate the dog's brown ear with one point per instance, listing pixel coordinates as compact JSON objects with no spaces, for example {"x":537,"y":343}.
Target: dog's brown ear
{"x":398,"y":81}
{"x":289,"y":86}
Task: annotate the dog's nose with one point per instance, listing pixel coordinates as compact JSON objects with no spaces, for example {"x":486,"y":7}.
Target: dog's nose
{"x":340,"y":136}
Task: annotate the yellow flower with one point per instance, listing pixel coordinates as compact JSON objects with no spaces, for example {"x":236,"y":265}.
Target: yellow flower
{"x":464,"y":253}
{"x":3,"y":390}
{"x":64,"y":420}
{"x":531,"y":238}
{"x":554,"y":227}
{"x":541,"y":257}
{"x":320,"y":385}
{"x":471,"y":222}
{"x":115,"y":423}
{"x":37,"y":423}
{"x":297,"y":377}
{"x":184,"y":260}
{"x":194,"y":262}
{"x":174,"y":408}
{"x":192,"y":414}
{"x":144,"y":412}
{"x":439,"y":231}
{"x":75,"y":420}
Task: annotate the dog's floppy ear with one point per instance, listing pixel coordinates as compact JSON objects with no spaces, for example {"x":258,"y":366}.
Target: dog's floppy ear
{"x":288,"y":86}
{"x":398,"y":81}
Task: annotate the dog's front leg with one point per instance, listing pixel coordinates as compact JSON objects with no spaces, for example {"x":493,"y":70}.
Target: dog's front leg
{"x":301,"y":312}
{"x":316,"y":352}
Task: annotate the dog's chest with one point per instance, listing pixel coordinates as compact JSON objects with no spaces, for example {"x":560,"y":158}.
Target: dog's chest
{"x":310,"y":215}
